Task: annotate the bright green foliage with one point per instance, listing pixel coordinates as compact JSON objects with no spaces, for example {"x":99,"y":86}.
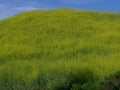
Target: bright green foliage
{"x":62,"y":49}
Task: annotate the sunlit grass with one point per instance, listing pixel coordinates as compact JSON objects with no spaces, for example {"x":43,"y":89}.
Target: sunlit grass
{"x":49,"y":50}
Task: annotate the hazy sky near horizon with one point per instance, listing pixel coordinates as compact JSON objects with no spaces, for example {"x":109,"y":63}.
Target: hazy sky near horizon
{"x":11,"y":7}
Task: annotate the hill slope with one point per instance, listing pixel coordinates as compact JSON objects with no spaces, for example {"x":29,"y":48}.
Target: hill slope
{"x":59,"y":49}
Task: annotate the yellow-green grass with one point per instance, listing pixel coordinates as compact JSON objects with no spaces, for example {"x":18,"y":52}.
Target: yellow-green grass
{"x":45,"y":50}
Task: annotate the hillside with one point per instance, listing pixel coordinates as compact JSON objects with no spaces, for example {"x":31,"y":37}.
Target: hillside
{"x":62,"y":49}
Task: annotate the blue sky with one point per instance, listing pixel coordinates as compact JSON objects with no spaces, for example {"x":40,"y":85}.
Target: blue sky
{"x":11,"y":7}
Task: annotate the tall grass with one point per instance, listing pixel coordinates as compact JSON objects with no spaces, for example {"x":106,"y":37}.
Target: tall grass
{"x":60,"y":49}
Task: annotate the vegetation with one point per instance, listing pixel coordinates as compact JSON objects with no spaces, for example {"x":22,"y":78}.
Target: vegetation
{"x":62,"y":49}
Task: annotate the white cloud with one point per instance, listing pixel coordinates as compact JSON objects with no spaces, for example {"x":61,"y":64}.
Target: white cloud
{"x":77,"y":2}
{"x":26,"y":8}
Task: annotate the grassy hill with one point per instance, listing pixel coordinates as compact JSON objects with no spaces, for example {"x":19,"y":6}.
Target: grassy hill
{"x":60,"y":49}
